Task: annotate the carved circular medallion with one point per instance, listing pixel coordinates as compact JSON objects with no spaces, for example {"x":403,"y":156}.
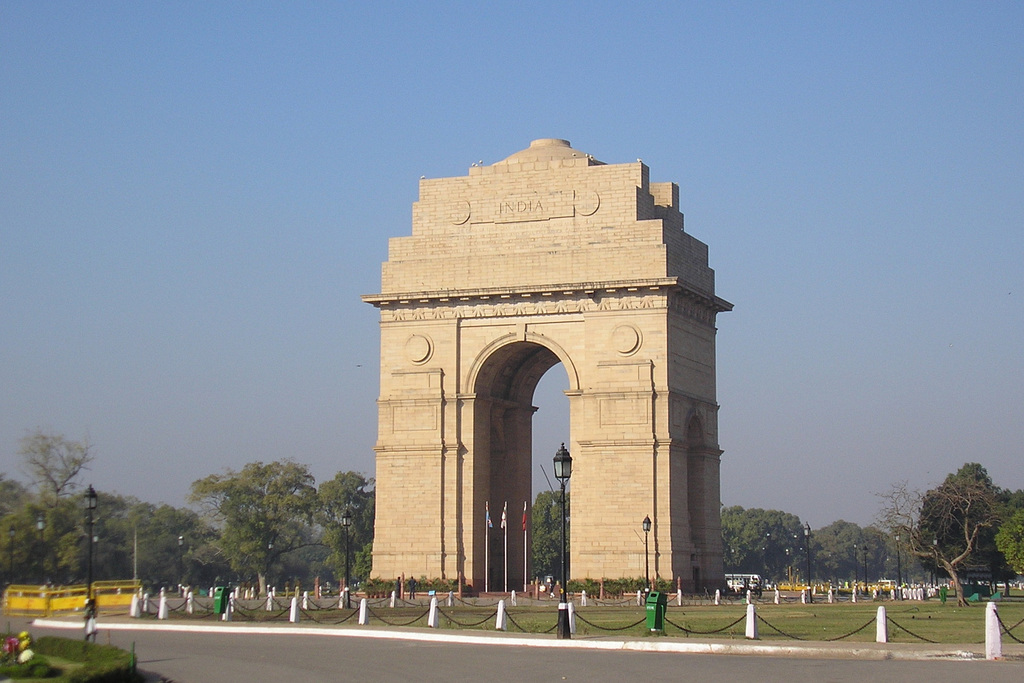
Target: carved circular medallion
{"x":626,"y":339}
{"x":587,"y":202}
{"x":419,"y":349}
{"x":458,"y":212}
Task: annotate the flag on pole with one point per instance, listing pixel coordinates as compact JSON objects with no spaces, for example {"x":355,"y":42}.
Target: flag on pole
{"x":487,"y":514}
{"x":504,"y":515}
{"x":524,"y":515}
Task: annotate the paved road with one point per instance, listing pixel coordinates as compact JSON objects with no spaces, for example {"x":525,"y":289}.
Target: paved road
{"x":232,"y":658}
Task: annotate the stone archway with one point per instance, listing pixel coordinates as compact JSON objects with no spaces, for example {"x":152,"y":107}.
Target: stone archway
{"x":547,"y":257}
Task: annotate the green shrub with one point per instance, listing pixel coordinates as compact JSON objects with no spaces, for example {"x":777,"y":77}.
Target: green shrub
{"x":101,"y":663}
{"x":37,"y":667}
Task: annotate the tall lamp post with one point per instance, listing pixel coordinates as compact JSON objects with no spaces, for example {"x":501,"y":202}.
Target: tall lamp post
{"x":866,"y":591}
{"x":181,"y":563}
{"x":807,"y":542}
{"x":90,"y":603}
{"x":856,"y":583}
{"x":899,"y":570}
{"x":563,"y":470}
{"x":10,"y":534}
{"x":647,"y":555}
{"x":346,"y":521}
{"x":935,"y":555}
{"x":41,"y":525}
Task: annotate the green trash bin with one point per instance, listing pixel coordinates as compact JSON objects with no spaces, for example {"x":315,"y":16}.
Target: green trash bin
{"x":220,"y":599}
{"x":657,"y":603}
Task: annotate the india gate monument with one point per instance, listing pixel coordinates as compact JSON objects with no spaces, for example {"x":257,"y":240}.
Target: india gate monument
{"x":549,"y":256}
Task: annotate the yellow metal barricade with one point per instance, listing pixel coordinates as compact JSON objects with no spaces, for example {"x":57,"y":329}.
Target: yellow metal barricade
{"x":44,"y":601}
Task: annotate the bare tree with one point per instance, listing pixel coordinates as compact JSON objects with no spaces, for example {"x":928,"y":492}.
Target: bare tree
{"x":943,"y":524}
{"x":54,"y":463}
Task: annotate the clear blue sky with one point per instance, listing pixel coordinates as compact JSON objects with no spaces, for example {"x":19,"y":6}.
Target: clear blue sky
{"x":194,"y":195}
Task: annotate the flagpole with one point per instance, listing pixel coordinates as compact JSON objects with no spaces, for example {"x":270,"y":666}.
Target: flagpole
{"x":504,"y":530}
{"x":487,"y":549}
{"x":525,"y":546}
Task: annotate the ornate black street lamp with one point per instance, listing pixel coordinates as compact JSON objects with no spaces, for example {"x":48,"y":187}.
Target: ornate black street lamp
{"x":899,"y":570}
{"x":856,"y":582}
{"x":10,"y":534}
{"x":865,"y":570}
{"x":563,"y":470}
{"x":90,"y":603}
{"x":41,"y":525}
{"x":807,"y":542}
{"x":647,"y":555}
{"x":181,"y":563}
{"x":346,"y":521}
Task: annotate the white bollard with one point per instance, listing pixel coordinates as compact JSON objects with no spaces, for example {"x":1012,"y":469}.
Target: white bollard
{"x":501,"y":622}
{"x":513,"y":598}
{"x":881,"y":626}
{"x":749,"y":600}
{"x":639,"y":598}
{"x":230,"y":608}
{"x":583,"y":598}
{"x":778,"y":596}
{"x":432,"y":620}
{"x":145,"y":603}
{"x":394,"y":596}
{"x":831,"y":595}
{"x":718,"y":596}
{"x":293,"y":616}
{"x":572,"y":619}
{"x":993,"y":634}
{"x":751,"y":630}
{"x":162,"y":593}
{"x":162,"y":611}
{"x":364,"y":614}
{"x":135,"y":611}
{"x":679,"y":598}
{"x":90,"y":628}
{"x":305,"y":600}
{"x":270,"y":601}
{"x":803,"y":596}
{"x":853,"y":596}
{"x":451,"y":598}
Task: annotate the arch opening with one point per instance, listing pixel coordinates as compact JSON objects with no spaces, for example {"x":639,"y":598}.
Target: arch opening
{"x":506,"y":389}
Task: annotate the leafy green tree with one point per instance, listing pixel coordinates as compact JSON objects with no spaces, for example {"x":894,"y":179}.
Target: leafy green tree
{"x":353,"y":492}
{"x":264,"y":512}
{"x":955,"y":515}
{"x":1010,"y":541}
{"x":54,"y":463}
{"x":13,"y":495}
{"x":546,"y":533}
{"x":766,"y":542}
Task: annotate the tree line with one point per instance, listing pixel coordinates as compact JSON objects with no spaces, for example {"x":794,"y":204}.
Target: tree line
{"x":267,"y":522}
{"x":270,"y":523}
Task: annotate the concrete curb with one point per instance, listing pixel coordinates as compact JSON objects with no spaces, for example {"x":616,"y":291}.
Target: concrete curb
{"x":863,"y":651}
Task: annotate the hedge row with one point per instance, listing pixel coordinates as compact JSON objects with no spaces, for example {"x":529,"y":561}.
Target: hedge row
{"x":102,"y":663}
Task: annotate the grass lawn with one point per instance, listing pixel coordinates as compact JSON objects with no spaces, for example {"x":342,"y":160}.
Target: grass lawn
{"x":931,"y":620}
